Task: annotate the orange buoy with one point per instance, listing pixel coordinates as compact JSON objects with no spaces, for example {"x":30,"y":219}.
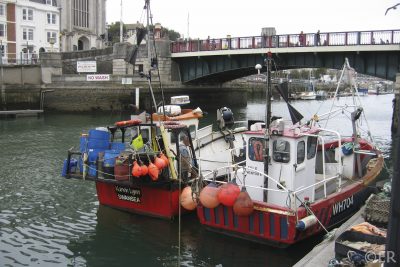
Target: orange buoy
{"x":208,"y":196}
{"x":243,"y":205}
{"x":164,"y":158}
{"x":136,"y":170}
{"x":153,"y":171}
{"x":187,"y":200}
{"x":159,"y":163}
{"x":228,"y":193}
{"x":145,"y":169}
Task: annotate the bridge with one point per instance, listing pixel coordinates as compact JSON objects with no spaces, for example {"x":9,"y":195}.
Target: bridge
{"x":375,"y":53}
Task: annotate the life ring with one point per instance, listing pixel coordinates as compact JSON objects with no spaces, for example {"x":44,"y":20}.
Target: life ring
{"x":128,"y":123}
{"x":258,"y":150}
{"x":174,"y":126}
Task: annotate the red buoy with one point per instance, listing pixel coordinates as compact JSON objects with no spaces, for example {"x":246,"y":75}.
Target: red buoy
{"x":243,"y":205}
{"x":136,"y":170}
{"x":228,"y":193}
{"x":153,"y":171}
{"x":159,"y":163}
{"x":187,"y":200}
{"x":145,"y":169}
{"x":208,"y":196}
{"x":164,"y":158}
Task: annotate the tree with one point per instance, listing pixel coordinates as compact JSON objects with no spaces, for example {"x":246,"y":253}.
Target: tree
{"x":114,"y":32}
{"x":320,"y":72}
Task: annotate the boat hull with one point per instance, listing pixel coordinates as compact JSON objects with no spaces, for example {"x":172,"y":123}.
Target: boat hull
{"x":277,"y":227}
{"x":156,"y":200}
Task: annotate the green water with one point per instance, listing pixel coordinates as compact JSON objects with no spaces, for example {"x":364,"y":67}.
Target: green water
{"x":46,"y":220}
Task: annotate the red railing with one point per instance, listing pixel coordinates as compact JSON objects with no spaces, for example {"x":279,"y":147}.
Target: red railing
{"x":290,"y":40}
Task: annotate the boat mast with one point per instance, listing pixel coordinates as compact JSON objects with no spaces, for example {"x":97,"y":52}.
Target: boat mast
{"x":268,"y":96}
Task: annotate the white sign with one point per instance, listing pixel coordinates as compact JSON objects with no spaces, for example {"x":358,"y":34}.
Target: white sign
{"x":98,"y":77}
{"x":86,"y":66}
{"x":126,"y":81}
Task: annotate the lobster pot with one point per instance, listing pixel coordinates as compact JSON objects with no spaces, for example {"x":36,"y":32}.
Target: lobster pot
{"x":121,"y":170}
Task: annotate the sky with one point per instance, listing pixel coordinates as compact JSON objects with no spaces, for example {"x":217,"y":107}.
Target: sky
{"x":218,"y":18}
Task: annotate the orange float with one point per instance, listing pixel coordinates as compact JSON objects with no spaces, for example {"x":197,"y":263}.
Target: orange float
{"x":164,"y":158}
{"x":243,"y":206}
{"x":208,"y":196}
{"x":187,"y":200}
{"x":136,"y":170}
{"x":145,"y":170}
{"x":228,"y":193}
{"x":153,"y":171}
{"x":159,"y":163}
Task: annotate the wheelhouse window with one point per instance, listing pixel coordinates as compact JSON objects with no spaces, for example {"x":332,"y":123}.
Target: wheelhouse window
{"x":192,"y":130}
{"x":256,"y":149}
{"x":281,"y":151}
{"x":311,"y":147}
{"x":301,"y":152}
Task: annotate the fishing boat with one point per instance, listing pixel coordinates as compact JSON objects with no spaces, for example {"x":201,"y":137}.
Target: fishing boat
{"x":298,"y":179}
{"x":141,"y":164}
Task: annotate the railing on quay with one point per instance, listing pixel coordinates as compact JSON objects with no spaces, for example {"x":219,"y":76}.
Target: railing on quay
{"x":382,"y":37}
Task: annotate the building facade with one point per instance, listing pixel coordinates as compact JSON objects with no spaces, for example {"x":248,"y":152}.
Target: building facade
{"x":83,"y":24}
{"x":28,"y":27}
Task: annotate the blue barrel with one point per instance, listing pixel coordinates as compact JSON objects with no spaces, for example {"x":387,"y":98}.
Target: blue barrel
{"x":83,"y":143}
{"x":80,"y":164}
{"x":92,"y":169}
{"x":109,"y":157}
{"x":93,"y":154}
{"x":72,"y":167}
{"x":118,"y":146}
{"x":98,"y":144}
{"x":98,"y":134}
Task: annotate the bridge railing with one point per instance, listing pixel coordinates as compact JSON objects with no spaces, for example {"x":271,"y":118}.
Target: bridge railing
{"x":289,"y":40}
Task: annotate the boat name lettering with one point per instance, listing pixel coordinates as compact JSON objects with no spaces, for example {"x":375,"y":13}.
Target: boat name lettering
{"x":253,"y":170}
{"x":342,"y":205}
{"x":128,"y":194}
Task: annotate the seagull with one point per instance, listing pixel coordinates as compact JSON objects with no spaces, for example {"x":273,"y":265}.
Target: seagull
{"x":393,"y":7}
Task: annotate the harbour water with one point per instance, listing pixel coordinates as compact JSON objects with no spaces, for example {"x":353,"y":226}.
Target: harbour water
{"x":46,"y":220}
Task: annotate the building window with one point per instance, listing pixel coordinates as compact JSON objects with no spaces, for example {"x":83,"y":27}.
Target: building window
{"x":27,"y":34}
{"x":51,"y":18}
{"x":52,"y":35}
{"x":81,"y":13}
{"x":2,"y":30}
{"x":27,"y":14}
{"x":2,"y":10}
{"x":49,"y":2}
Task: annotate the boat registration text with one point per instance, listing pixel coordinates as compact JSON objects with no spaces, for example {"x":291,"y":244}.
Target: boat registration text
{"x":128,"y":194}
{"x":343,"y":205}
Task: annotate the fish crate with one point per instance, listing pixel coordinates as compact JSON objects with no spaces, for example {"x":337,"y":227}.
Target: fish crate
{"x":342,"y":249}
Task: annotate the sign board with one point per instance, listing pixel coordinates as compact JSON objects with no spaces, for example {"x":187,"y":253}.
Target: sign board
{"x":126,"y":81}
{"x":97,"y":77}
{"x":86,"y":66}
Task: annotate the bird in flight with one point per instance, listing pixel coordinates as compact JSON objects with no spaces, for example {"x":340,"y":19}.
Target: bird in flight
{"x":393,"y":7}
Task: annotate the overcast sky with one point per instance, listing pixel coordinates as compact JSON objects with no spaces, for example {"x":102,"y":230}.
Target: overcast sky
{"x":217,"y":18}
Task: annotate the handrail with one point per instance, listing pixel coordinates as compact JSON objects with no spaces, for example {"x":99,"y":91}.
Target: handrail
{"x":323,"y":39}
